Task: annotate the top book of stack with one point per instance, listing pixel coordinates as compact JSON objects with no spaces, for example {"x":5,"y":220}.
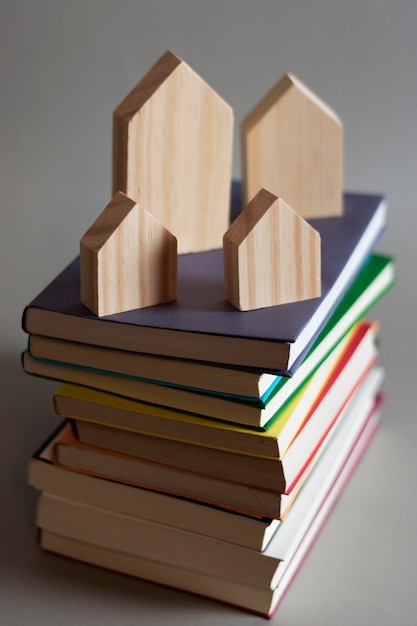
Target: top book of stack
{"x":201,"y":325}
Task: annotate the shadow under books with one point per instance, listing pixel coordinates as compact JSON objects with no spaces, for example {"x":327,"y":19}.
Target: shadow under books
{"x":26,"y":420}
{"x":101,"y":587}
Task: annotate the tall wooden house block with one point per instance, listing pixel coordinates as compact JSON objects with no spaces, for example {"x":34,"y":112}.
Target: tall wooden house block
{"x":128,"y":260}
{"x":271,"y":256}
{"x":292,"y":144}
{"x":172,"y":153}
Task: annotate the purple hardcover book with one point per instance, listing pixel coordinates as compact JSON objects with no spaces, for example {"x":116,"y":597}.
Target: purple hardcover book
{"x":201,"y":324}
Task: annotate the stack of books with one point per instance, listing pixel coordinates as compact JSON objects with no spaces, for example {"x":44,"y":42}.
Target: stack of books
{"x":203,"y":448}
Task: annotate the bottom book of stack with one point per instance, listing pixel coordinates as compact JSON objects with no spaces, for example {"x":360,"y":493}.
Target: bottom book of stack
{"x":240,"y":559}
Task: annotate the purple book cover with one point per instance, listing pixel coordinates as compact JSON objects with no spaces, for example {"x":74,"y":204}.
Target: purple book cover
{"x":201,"y":306}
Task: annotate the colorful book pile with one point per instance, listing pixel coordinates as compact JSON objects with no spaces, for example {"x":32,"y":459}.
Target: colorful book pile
{"x":203,"y":446}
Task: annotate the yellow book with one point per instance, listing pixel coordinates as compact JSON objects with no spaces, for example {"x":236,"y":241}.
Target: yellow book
{"x":337,"y":375}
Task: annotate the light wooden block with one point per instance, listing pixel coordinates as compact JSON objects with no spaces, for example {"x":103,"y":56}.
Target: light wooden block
{"x":127,"y":260}
{"x":172,"y":152}
{"x":271,"y":256}
{"x":292,"y":145}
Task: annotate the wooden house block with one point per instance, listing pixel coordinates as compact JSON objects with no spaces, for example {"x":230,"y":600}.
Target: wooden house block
{"x":128,"y":260}
{"x":172,"y":153}
{"x":271,"y":256}
{"x":292,"y":144}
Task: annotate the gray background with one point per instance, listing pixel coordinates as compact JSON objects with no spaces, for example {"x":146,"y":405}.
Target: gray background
{"x":64,"y":66}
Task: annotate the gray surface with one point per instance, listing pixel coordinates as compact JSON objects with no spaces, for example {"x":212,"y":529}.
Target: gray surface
{"x":64,"y":66}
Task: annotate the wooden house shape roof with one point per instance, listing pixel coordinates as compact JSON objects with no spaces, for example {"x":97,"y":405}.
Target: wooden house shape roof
{"x":128,"y":260}
{"x":292,"y":145}
{"x":271,"y":256}
{"x":172,"y":153}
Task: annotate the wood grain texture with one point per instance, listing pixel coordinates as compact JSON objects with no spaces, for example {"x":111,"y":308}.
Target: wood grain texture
{"x":292,"y":145}
{"x":271,"y":256}
{"x":127,"y":260}
{"x":172,"y":152}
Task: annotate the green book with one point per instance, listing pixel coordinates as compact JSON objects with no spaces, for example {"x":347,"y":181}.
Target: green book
{"x":373,"y":281}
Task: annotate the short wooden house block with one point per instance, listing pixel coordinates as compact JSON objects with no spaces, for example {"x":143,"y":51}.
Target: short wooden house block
{"x":128,"y":260}
{"x":172,"y":153}
{"x":292,"y":145}
{"x":271,"y":256}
